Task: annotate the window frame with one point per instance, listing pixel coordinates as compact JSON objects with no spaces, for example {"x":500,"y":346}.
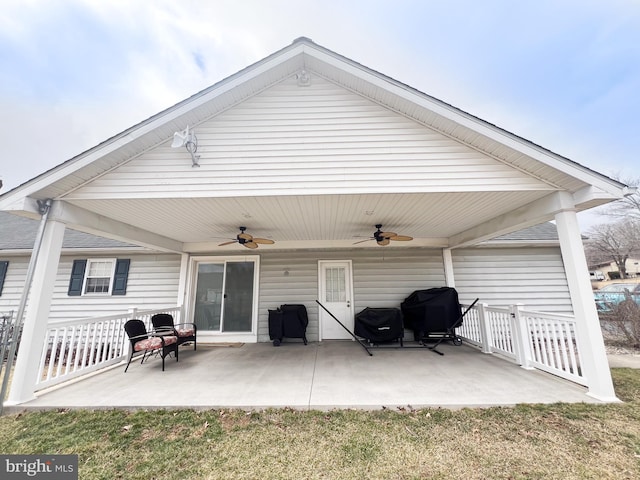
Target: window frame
{"x":111,"y":277}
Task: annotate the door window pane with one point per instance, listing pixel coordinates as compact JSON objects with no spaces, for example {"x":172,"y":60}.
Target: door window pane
{"x":335,"y":284}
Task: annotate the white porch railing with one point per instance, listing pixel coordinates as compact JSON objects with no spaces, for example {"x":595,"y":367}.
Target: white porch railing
{"x":79,"y":347}
{"x":489,"y":328}
{"x":546,"y":341}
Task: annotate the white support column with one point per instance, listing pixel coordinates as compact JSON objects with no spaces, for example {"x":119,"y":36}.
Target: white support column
{"x":36,"y":317}
{"x":447,"y":261}
{"x":593,"y":356}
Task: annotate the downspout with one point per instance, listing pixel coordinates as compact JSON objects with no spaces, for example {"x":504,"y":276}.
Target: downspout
{"x":44,"y":207}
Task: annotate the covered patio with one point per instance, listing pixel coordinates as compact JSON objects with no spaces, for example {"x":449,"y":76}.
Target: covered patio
{"x":310,"y":152}
{"x":319,"y":376}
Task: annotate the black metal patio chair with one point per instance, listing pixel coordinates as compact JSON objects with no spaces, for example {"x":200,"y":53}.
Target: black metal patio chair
{"x":186,"y":332}
{"x":148,"y":342}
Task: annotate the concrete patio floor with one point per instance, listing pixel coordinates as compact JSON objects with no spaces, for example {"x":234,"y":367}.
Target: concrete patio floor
{"x":321,"y":376}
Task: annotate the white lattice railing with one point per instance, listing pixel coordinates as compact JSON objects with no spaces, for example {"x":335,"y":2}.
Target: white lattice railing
{"x":552,"y":343}
{"x":489,"y":328}
{"x":79,"y":347}
{"x":546,"y":341}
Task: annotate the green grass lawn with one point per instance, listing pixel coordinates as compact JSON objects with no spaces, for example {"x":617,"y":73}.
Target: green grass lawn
{"x":559,"y":441}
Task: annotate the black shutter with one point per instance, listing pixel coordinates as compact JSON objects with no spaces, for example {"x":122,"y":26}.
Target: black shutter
{"x":77,"y":277}
{"x":3,"y":273}
{"x":120,"y":277}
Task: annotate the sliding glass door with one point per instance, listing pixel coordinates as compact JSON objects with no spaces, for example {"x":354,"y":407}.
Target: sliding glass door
{"x":238,"y":297}
{"x":224,"y":295}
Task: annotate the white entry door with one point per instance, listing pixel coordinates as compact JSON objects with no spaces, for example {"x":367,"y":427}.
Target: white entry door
{"x":335,"y":293}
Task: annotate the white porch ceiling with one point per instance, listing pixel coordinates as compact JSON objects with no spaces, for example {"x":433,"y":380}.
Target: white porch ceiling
{"x":315,"y":220}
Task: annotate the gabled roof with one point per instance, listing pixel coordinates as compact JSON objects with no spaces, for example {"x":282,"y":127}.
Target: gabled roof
{"x":304,"y":54}
{"x":542,"y":232}
{"x":469,"y":179}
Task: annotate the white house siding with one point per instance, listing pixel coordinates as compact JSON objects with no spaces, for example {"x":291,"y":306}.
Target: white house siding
{"x":152,"y":283}
{"x":381,"y":278}
{"x":503,"y":276}
{"x":385,"y":277}
{"x":318,"y":139}
{"x":13,"y":283}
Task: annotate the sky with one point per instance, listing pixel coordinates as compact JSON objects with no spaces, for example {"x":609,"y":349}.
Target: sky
{"x":564,"y":74}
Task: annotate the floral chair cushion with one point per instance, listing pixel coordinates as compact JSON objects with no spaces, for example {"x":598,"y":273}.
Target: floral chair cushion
{"x":153,"y":343}
{"x":185,"y":332}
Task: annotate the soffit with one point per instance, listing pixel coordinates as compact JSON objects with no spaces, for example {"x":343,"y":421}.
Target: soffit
{"x":426,"y":216}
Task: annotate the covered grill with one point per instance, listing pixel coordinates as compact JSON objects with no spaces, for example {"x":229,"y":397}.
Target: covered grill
{"x":288,"y":321}
{"x":433,"y":314}
{"x":378,"y":325}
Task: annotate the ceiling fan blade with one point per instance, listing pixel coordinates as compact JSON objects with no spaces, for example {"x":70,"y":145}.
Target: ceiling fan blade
{"x":362,"y":241}
{"x":245,"y":236}
{"x":384,"y":241}
{"x":250,"y":244}
{"x":264,"y":241}
{"x":401,"y":238}
{"x":227,"y":243}
{"x":387,"y":234}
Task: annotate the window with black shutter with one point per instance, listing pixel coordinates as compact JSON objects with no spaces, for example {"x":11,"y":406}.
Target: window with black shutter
{"x":77,"y":277}
{"x":4,"y":266}
{"x":99,"y":276}
{"x":120,"y":277}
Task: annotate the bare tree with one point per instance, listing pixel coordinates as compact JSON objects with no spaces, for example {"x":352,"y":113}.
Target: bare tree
{"x":627,"y":207}
{"x":615,"y":241}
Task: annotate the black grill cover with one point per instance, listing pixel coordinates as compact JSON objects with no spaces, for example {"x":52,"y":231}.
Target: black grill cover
{"x":379,"y":324}
{"x":288,"y":321}
{"x":435,"y":310}
{"x":276,"y":327}
{"x":294,"y":320}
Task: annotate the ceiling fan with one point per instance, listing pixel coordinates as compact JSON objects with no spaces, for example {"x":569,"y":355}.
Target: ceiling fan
{"x":247,"y":240}
{"x":384,"y":238}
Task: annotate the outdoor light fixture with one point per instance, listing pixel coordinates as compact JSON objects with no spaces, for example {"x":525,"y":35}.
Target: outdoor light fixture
{"x":304,"y":80}
{"x":188,"y":140}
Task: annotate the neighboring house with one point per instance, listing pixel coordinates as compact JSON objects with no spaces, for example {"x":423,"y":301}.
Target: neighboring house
{"x":311,"y":150}
{"x":633,"y":268}
{"x":146,"y":280}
